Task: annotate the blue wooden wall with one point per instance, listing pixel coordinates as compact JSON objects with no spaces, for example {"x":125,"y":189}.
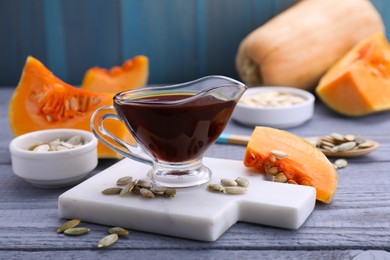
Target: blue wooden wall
{"x":184,"y":39}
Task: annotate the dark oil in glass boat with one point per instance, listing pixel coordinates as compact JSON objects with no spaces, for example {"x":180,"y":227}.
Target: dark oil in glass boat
{"x":175,"y":132}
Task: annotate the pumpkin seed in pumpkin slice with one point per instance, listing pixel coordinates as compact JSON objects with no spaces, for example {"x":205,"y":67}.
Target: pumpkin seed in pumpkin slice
{"x":305,"y":164}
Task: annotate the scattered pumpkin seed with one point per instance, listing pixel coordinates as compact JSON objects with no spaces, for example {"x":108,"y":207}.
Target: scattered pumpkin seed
{"x":228,"y":182}
{"x":144,"y":183}
{"x":76,"y":231}
{"x":69,"y":224}
{"x":127,"y":189}
{"x":108,"y":240}
{"x":235,"y":190}
{"x":157,"y":190}
{"x":146,"y":193}
{"x":215,"y":187}
{"x":119,"y":231}
{"x":112,"y":191}
{"x":340,"y":163}
{"x":242,"y":182}
{"x":124,"y":180}
{"x":169,"y":192}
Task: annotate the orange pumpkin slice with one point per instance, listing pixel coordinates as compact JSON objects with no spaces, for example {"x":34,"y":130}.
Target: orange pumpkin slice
{"x":131,"y":75}
{"x":304,"y":164}
{"x":42,"y":101}
{"x":359,"y":84}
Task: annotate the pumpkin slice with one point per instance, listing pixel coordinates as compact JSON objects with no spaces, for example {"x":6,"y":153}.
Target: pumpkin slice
{"x":42,"y":101}
{"x":304,"y":165}
{"x":133,"y":74}
{"x":359,"y":84}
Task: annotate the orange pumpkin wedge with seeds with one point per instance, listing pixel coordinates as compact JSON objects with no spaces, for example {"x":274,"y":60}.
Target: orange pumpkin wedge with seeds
{"x":131,"y":75}
{"x":42,"y":101}
{"x":304,"y":164}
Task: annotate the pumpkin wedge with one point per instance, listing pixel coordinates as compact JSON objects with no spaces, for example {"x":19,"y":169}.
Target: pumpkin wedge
{"x":42,"y":101}
{"x":304,"y":164}
{"x":131,"y":75}
{"x":359,"y":84}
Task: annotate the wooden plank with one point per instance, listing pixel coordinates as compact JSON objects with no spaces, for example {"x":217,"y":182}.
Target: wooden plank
{"x":21,"y":34}
{"x":92,"y":36}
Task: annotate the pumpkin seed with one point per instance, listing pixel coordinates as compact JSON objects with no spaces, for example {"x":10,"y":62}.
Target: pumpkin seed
{"x":365,"y":145}
{"x":108,"y":240}
{"x":272,"y":170}
{"x":242,"y":182}
{"x":41,"y":148}
{"x":228,"y":182}
{"x":279,"y":154}
{"x":235,"y":190}
{"x":340,"y":163}
{"x":124,"y":180}
{"x":157,"y":190}
{"x":169,"y":192}
{"x":291,"y":182}
{"x":119,"y":231}
{"x":349,"y":138}
{"x":127,"y":189}
{"x":76,"y":231}
{"x":75,"y":140}
{"x":112,"y":191}
{"x":146,"y":193}
{"x":337,"y":137}
{"x":69,"y":224}
{"x":345,"y":146}
{"x":215,"y":187}
{"x":280,"y":177}
{"x":144,"y":183}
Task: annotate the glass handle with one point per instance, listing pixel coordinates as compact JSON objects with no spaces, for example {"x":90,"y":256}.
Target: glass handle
{"x":109,"y":139}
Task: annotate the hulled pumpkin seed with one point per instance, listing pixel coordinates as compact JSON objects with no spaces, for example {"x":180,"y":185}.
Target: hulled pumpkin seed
{"x":124,"y":180}
{"x":228,"y":182}
{"x":345,"y":146}
{"x":112,"y":191}
{"x":144,"y":183}
{"x":340,"y":163}
{"x":108,"y":240}
{"x":215,"y":187}
{"x":76,"y":231}
{"x":119,"y":231}
{"x":242,"y":182}
{"x":235,"y":190}
{"x":157,"y":190}
{"x":69,"y":224}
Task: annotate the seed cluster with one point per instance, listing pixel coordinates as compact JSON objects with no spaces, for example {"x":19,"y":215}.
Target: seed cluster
{"x":58,"y":144}
{"x":70,"y":228}
{"x":142,"y":187}
{"x":272,"y":169}
{"x":229,"y":186}
{"x":272,"y":99}
{"x":336,"y":142}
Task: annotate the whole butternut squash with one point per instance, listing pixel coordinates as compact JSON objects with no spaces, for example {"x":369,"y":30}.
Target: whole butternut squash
{"x":296,"y":47}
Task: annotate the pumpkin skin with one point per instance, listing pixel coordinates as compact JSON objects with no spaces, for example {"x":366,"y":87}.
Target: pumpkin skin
{"x":304,"y":165}
{"x":299,"y":45}
{"x":131,"y":75}
{"x":359,"y":83}
{"x":42,"y":101}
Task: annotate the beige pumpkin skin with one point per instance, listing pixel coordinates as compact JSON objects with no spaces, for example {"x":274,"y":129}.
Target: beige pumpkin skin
{"x":296,"y":47}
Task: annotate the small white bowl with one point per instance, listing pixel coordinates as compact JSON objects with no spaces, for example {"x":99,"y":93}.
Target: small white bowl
{"x":278,"y":117}
{"x":53,"y":169}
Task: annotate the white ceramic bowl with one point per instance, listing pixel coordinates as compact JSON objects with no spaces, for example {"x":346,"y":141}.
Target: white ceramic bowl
{"x":278,"y":117}
{"x":53,"y":169}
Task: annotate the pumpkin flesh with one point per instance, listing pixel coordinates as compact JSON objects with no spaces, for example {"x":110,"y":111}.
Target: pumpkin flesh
{"x":305,"y":164}
{"x":359,"y":84}
{"x":42,"y":101}
{"x":131,"y":75}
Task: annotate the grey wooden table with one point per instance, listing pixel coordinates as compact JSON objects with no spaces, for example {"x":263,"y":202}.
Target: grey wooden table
{"x":355,"y":226}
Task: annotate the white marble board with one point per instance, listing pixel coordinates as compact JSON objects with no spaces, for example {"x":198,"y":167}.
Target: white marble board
{"x":194,"y":213}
